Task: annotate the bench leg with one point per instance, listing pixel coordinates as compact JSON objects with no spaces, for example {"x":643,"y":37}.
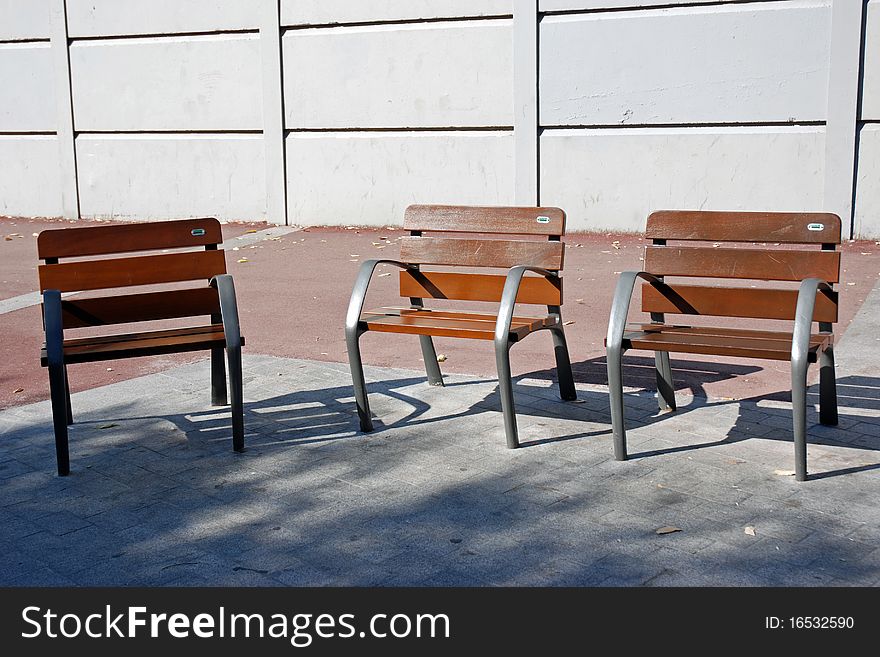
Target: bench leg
{"x":236,"y":386}
{"x":218,"y":378}
{"x":67,"y":397}
{"x":564,"y":375}
{"x":352,"y":341}
{"x":505,"y":390}
{"x":432,"y":367}
{"x":799,"y":415}
{"x":58,"y":393}
{"x":827,"y":388}
{"x":615,"y":393}
{"x":665,"y":385}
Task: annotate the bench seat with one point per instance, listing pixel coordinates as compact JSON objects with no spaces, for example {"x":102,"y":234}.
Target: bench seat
{"x":423,"y":321}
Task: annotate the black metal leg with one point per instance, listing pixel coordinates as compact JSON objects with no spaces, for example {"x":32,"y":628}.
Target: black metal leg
{"x":665,"y":384}
{"x":59,"y":417}
{"x":615,"y":390}
{"x":218,"y":378}
{"x":236,"y":388}
{"x":827,"y":388}
{"x":352,"y":339}
{"x":432,"y":366}
{"x":799,"y":415}
{"x":67,"y":397}
{"x":564,"y":374}
{"x":505,"y":390}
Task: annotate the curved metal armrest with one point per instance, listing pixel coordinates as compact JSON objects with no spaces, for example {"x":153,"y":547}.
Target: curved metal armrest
{"x":620,"y":306}
{"x":228,"y":309}
{"x":508,"y":298}
{"x":359,"y":291}
{"x":803,"y":316}
{"x":53,"y":327}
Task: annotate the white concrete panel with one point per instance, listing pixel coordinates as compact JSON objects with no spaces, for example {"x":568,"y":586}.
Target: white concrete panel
{"x":370,"y":178}
{"x":121,"y":17}
{"x":27,"y":93}
{"x":326,"y":12}
{"x":177,"y":83}
{"x":867,"y":208}
{"x":152,"y":177}
{"x":871,"y":68}
{"x":748,"y":62}
{"x":429,"y":75}
{"x":574,"y":5}
{"x":24,"y":19}
{"x":29,"y":185}
{"x":614,"y":177}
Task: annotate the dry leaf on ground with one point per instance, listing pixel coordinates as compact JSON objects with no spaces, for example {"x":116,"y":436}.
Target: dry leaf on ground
{"x":750,"y":531}
{"x":668,"y":530}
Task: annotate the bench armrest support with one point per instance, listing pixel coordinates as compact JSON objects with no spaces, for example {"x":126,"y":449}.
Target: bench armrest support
{"x":620,"y":305}
{"x":54,"y":327}
{"x":359,"y":291}
{"x":508,"y":298}
{"x":228,"y":309}
{"x":803,"y":316}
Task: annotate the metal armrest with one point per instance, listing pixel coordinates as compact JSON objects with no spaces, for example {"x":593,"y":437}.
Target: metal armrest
{"x":359,"y":291}
{"x":803,"y":316}
{"x":228,"y":309}
{"x":620,"y":306}
{"x":54,"y":328}
{"x":508,"y":298}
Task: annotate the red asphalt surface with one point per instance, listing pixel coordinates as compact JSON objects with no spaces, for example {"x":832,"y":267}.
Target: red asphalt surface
{"x":293,"y":293}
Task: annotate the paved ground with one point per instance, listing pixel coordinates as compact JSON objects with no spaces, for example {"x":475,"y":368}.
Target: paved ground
{"x":432,"y":497}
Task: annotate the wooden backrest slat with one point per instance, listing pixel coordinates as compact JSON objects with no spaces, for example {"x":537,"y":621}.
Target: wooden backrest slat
{"x":760,"y":264}
{"x":481,"y":252}
{"x":143,"y":307}
{"x":783,"y":227}
{"x":472,"y":219}
{"x":139,"y":270}
{"x":104,"y":240}
{"x":478,"y":287}
{"x":754,"y":303}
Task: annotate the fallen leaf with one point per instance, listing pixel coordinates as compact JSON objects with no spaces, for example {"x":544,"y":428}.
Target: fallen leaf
{"x":108,"y":426}
{"x":750,"y":531}
{"x":615,"y":244}
{"x":7,"y":238}
{"x":579,"y":301}
{"x":243,"y":260}
{"x":17,"y":390}
{"x":784,"y":473}
{"x":668,"y":530}
{"x":715,"y":245}
{"x":568,"y":323}
{"x":252,"y":230}
{"x":735,"y":461}
{"x":441,"y":358}
{"x":388,"y":273}
{"x":109,"y":369}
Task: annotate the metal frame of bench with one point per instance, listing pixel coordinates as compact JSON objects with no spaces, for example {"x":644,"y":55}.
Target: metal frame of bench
{"x":518,"y":256}
{"x":216,"y":300}
{"x":814,"y":301}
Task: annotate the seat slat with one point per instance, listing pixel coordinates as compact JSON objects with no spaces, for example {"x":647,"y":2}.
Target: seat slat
{"x":148,"y":306}
{"x":443,"y":324}
{"x":103,"y":240}
{"x":138,"y":270}
{"x":756,"y":303}
{"x":486,"y":219}
{"x":723,"y":331}
{"x":783,"y":227}
{"x":759,"y":264}
{"x":718,"y":344}
{"x":478,"y":287}
{"x":481,"y":253}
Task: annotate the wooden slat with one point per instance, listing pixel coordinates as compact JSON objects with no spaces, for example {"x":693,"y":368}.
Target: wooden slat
{"x":139,"y":270}
{"x":716,"y":345}
{"x":784,"y":227}
{"x":478,"y":287}
{"x":102,"y":240}
{"x":733,"y":302}
{"x":759,"y":264}
{"x":149,"y":306}
{"x":444,"y":324}
{"x":481,"y":253}
{"x":816,"y":339}
{"x":473,"y":219}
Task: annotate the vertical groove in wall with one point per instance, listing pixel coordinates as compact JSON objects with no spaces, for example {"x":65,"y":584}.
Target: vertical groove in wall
{"x":860,"y":123}
{"x":525,"y":100}
{"x":64,"y":103}
{"x":273,"y":112}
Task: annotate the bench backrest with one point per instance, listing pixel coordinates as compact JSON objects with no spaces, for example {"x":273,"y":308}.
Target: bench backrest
{"x":84,"y":273}
{"x":762,"y":258}
{"x":490,"y":237}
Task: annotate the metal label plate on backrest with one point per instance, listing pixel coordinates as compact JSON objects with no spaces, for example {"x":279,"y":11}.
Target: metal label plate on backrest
{"x":816,"y":227}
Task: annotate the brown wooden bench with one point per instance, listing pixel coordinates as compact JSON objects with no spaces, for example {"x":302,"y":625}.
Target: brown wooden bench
{"x":81,"y":272}
{"x":465,"y":244}
{"x":814,"y":300}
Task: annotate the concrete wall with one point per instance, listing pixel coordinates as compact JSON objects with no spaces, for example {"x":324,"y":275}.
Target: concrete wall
{"x":344,"y":111}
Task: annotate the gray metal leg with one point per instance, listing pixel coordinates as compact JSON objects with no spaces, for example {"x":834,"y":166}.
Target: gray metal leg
{"x":218,"y":378}
{"x":799,"y":412}
{"x":827,"y":388}
{"x":233,"y":356}
{"x":67,"y":397}
{"x":615,"y":390}
{"x":57,"y":391}
{"x":352,"y":340}
{"x":567,"y":390}
{"x":432,"y":367}
{"x":665,"y":384}
{"x":505,"y":389}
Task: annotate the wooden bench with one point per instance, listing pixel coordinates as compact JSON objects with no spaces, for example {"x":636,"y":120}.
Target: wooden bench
{"x":465,"y":244}
{"x":814,"y":300}
{"x":81,"y":272}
